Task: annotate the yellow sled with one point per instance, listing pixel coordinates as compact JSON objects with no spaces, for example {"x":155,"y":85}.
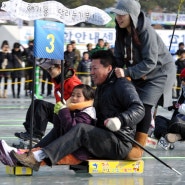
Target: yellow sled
{"x":109,"y":167}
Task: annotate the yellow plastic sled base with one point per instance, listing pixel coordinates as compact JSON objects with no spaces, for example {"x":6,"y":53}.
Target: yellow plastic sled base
{"x":92,"y":167}
{"x":19,"y":170}
{"x":109,"y":167}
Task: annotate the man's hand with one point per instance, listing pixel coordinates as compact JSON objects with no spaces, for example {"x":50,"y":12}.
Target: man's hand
{"x":113,"y":124}
{"x":58,"y":106}
{"x":119,"y":72}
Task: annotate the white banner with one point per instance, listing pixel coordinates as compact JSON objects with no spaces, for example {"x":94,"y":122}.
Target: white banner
{"x":4,"y":16}
{"x":82,"y":36}
{"x":55,"y":10}
{"x":167,"y":18}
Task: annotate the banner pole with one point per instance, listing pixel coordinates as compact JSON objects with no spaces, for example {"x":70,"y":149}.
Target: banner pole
{"x":32,"y":104}
{"x":62,"y":81}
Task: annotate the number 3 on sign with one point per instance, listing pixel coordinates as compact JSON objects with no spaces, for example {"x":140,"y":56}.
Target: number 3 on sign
{"x":52,"y":47}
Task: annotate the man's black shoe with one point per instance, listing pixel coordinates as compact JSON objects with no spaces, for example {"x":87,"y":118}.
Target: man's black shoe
{"x":26,"y":136}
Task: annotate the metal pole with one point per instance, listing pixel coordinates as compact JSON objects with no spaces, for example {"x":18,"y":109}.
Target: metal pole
{"x":32,"y":103}
{"x":121,"y":133}
{"x":62,"y":81}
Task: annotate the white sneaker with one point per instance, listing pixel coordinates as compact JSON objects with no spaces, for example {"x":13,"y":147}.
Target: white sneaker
{"x":172,"y":138}
{"x":5,"y":156}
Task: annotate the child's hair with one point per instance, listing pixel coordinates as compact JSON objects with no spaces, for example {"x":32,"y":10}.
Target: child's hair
{"x":85,"y":52}
{"x":87,"y":91}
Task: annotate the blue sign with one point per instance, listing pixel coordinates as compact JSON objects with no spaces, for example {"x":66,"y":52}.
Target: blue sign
{"x":48,"y":39}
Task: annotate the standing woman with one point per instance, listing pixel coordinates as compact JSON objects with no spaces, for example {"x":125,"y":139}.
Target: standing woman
{"x":17,"y":63}
{"x":5,"y":64}
{"x":142,"y":56}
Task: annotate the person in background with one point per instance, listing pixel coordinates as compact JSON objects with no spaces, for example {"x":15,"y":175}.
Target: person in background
{"x":118,"y":110}
{"x":77,"y":54}
{"x":107,"y":45}
{"x":181,"y":47}
{"x":180,"y":63}
{"x":99,"y":46}
{"x":5,"y":64}
{"x":69,"y":55}
{"x":142,"y":56}
{"x":17,"y":62}
{"x":89,"y":47}
{"x":46,"y":81}
{"x":43,"y":110}
{"x":30,"y":59}
{"x":84,"y":69}
{"x":176,"y":128}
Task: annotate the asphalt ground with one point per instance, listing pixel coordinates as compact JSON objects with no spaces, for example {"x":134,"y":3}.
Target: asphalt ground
{"x":12,"y":115}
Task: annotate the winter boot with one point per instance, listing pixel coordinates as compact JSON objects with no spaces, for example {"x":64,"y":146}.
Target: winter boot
{"x":5,"y":94}
{"x":136,"y":152}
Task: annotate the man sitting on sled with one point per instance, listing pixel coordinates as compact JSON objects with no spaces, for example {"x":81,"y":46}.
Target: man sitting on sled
{"x":118,"y":109}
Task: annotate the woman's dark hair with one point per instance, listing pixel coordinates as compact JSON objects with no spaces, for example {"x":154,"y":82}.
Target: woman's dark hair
{"x":120,"y":32}
{"x":87,"y":91}
{"x":16,"y":45}
{"x":5,"y":42}
{"x":106,"y":57}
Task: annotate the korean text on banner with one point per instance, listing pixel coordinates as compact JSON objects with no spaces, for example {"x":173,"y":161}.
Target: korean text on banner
{"x":48,"y":39}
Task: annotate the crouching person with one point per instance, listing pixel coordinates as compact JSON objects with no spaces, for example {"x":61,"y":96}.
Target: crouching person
{"x":118,"y":108}
{"x":176,"y":129}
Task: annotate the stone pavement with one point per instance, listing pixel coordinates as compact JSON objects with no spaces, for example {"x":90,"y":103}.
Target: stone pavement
{"x":12,"y":115}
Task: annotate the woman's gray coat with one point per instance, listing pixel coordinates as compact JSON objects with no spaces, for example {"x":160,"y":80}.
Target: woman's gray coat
{"x":153,"y":71}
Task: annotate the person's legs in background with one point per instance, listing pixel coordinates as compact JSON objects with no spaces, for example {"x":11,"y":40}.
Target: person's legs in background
{"x":13,"y":87}
{"x":18,"y":87}
{"x":5,"y":94}
{"x":43,"y":113}
{"x":49,"y":85}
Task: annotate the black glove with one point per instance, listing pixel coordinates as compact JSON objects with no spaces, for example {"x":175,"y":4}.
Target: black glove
{"x":170,"y":108}
{"x":174,"y":106}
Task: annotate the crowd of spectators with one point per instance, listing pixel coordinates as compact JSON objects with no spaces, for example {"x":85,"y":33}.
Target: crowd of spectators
{"x":16,"y":67}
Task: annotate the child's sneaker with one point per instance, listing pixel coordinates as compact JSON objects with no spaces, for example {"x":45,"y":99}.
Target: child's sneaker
{"x":172,"y":138}
{"x":5,"y":156}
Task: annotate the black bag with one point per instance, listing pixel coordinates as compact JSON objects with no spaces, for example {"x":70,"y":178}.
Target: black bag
{"x":161,"y":126}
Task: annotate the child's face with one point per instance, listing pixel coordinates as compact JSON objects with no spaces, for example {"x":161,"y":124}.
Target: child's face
{"x":77,"y":96}
{"x":86,"y":56}
{"x":5,"y":48}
